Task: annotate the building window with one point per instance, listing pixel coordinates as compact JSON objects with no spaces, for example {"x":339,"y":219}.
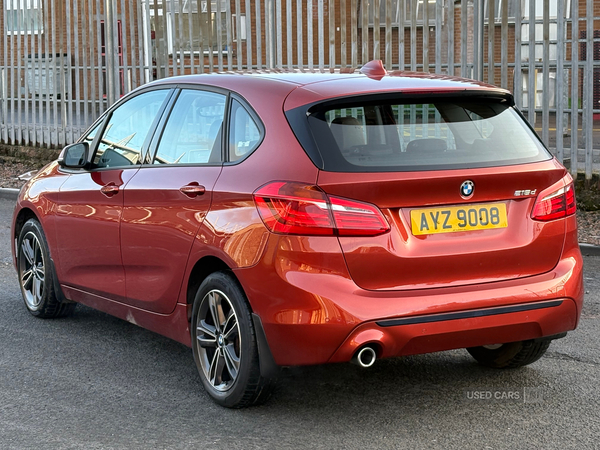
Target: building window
{"x":24,"y":17}
{"x":194,"y":25}
{"x":539,"y":9}
{"x":242,"y":33}
{"x":539,"y":28}
{"x":402,"y":8}
{"x":498,"y":5}
{"x":431,"y":6}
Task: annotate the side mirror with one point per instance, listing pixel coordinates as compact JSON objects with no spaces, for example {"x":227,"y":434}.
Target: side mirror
{"x":74,"y":156}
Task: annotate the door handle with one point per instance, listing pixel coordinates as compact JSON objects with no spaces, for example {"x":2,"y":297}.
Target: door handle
{"x":110,"y":189}
{"x":192,"y":190}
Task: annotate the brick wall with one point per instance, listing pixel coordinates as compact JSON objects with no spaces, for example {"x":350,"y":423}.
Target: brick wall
{"x":85,"y":50}
{"x":72,"y":32}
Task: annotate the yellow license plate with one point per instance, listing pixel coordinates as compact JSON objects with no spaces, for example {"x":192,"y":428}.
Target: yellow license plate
{"x":451,"y":219}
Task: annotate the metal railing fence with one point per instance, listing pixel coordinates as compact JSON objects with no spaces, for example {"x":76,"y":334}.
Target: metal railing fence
{"x":62,"y":63}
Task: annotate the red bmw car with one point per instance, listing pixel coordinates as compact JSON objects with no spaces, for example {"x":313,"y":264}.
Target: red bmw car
{"x":281,"y":219}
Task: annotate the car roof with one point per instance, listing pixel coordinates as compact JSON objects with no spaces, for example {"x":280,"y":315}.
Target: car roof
{"x":302,"y":87}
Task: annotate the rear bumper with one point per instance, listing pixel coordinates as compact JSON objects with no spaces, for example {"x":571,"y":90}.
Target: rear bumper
{"x":313,"y":313}
{"x":547,"y":319}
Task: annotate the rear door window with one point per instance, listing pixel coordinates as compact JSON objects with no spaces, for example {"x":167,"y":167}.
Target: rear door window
{"x":193,"y":133}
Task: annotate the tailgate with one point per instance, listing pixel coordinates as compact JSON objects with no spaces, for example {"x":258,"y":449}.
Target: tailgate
{"x":493,"y":236}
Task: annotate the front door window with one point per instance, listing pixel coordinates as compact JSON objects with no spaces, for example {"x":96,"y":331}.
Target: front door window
{"x":123,"y":141}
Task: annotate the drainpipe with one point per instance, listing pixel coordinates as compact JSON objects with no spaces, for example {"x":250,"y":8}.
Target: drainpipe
{"x":111,"y":52}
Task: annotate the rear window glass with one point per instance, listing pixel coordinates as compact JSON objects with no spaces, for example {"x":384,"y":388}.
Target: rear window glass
{"x":244,"y":134}
{"x":394,"y":136}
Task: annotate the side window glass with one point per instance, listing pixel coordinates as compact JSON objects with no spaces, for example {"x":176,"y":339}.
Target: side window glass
{"x":92,"y":134}
{"x":348,"y":127}
{"x":192,"y":134}
{"x":123,"y":138}
{"x":244,"y":134}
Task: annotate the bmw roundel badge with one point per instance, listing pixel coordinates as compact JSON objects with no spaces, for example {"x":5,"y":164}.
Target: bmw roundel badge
{"x":467,"y":188}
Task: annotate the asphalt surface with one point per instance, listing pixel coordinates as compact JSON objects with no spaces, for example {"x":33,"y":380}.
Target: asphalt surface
{"x":92,"y":381}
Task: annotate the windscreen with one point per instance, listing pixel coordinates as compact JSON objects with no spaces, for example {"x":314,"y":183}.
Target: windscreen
{"x":386,"y":136}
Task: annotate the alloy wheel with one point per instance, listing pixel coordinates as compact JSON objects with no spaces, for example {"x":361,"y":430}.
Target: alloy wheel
{"x":32,"y":270}
{"x":219,"y":340}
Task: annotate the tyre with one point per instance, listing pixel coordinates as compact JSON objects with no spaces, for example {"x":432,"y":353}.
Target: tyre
{"x":511,"y":355}
{"x":224,"y":344}
{"x":36,"y":276}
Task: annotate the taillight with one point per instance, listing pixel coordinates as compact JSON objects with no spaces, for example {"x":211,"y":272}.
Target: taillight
{"x":555,"y":204}
{"x":294,"y":208}
{"x":354,"y":218}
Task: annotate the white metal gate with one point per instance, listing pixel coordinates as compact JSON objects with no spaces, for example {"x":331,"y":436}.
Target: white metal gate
{"x":62,"y":63}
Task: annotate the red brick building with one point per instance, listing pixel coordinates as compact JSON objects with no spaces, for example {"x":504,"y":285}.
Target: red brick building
{"x":90,"y":52}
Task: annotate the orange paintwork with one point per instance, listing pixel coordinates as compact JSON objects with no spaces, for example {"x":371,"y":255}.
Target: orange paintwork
{"x":319,"y":298}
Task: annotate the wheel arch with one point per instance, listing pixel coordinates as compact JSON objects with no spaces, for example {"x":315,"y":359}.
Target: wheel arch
{"x":202,"y":269}
{"x":20,"y":219}
{"x":23,"y":216}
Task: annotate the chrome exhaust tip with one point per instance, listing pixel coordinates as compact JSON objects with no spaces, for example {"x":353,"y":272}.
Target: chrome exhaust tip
{"x":365,"y":357}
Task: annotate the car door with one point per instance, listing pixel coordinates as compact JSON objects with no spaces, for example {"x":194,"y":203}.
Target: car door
{"x":91,"y":201}
{"x":168,"y":198}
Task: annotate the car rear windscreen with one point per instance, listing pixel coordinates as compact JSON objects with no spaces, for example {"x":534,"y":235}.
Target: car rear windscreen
{"x":371,"y":136}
